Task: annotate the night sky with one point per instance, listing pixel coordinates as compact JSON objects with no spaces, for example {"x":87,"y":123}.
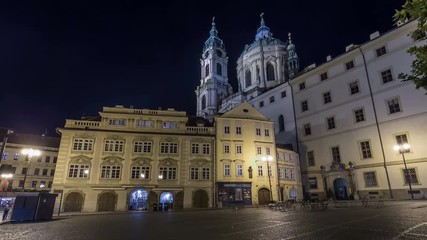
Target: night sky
{"x":67,"y":59}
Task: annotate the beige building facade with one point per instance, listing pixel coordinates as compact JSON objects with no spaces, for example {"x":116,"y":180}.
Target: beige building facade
{"x":135,"y":159}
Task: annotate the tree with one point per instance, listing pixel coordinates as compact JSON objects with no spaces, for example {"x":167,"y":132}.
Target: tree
{"x":416,"y":9}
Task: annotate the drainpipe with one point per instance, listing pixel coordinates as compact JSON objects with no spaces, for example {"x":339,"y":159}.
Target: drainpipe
{"x":376,"y":122}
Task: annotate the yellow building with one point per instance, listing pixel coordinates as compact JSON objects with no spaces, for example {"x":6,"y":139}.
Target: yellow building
{"x":130,"y":158}
{"x":245,"y":158}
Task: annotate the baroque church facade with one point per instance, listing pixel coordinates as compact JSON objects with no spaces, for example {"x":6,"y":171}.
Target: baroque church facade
{"x":342,"y":117}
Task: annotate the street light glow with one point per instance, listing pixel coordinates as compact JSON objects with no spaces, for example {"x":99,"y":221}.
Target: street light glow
{"x":7,"y":175}
{"x":31,"y":152}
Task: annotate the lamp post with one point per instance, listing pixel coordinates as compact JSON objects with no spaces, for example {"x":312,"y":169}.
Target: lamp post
{"x":29,"y":153}
{"x":323,"y":173}
{"x":402,"y":149}
{"x":268,"y":159}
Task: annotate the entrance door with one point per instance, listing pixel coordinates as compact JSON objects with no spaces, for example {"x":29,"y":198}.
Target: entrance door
{"x":138,"y":199}
{"x":73,"y":202}
{"x":341,"y":188}
{"x":293,"y":194}
{"x":179,"y":200}
{"x":106,"y":202}
{"x":263,"y":196}
{"x":200,"y":199}
{"x":166,"y":200}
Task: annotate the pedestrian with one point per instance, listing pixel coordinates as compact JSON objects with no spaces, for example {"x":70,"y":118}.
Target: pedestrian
{"x":6,"y":211}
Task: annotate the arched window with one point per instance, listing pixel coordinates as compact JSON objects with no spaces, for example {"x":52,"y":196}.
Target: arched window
{"x":270,"y":72}
{"x":207,"y":70}
{"x":219,"y":69}
{"x":248,"y":80}
{"x":203,"y":102}
{"x":281,"y":123}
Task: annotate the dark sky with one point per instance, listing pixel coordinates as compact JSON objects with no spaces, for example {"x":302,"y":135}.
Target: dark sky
{"x":66,"y":59}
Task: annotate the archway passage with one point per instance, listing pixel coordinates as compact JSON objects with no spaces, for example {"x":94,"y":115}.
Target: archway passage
{"x":166,"y":200}
{"x":106,"y":202}
{"x":73,"y":202}
{"x":263,"y":196}
{"x":138,"y":199}
{"x":200,"y":199}
{"x":341,"y":189}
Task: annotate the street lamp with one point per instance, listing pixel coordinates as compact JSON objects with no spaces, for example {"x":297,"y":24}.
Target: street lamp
{"x":268,"y":159}
{"x":402,"y":148}
{"x":29,"y":153}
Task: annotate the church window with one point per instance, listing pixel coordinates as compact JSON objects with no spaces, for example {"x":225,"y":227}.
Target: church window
{"x":203,"y":102}
{"x":270,"y":72}
{"x":248,"y":80}
{"x":219,"y":69}
{"x":281,"y":123}
{"x":207,"y":70}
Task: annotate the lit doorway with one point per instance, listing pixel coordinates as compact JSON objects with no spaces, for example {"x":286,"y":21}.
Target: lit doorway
{"x":138,"y":199}
{"x":166,"y":201}
{"x":341,"y":188}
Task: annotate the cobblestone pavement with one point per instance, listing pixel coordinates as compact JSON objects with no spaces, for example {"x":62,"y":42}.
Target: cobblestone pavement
{"x":400,"y":220}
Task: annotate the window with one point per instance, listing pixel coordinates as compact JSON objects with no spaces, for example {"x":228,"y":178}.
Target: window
{"x":258,"y":150}
{"x":267,"y":132}
{"x":248,"y":79}
{"x":82,"y":144}
{"x":168,"y":124}
{"x":117,"y":122}
{"x":34,"y":184}
{"x":336,"y":155}
{"x":4,"y":157}
{"x":226,"y":148}
{"x":281,"y":123}
{"x":226,"y":169}
{"x":323,"y":76}
{"x":304,"y":106}
{"x":349,"y":65}
{"x":283,"y":94}
{"x":365,"y":147}
{"x":110,"y":171}
{"x":142,"y":147}
{"x":37,"y":171}
{"x":307,"y":129}
{"x":410,"y":175}
{"x":39,"y":159}
{"x":331,"y":122}
{"x":271,"y":99}
{"x":78,"y":171}
{"x":310,"y":158}
{"x":269,"y":170}
{"x":206,"y":148}
{"x":194,"y":148}
{"x":261,"y":104}
{"x":226,"y":129}
{"x":327,"y":97}
{"x":281,"y":173}
{"x":44,"y":172}
{"x":302,"y":86}
{"x":114,"y":145}
{"x":140,"y":172}
{"x":203,"y":102}
{"x":16,"y":156}
{"x":24,"y":170}
{"x":312,"y":183}
{"x":42,"y":184}
{"x":21,"y":183}
{"x":386,"y":76}
{"x":402,"y":139}
{"x":359,"y":115}
{"x":207,"y":70}
{"x":49,"y":185}
{"x":168,"y":147}
{"x":239,"y":170}
{"x":194,"y":173}
{"x":52,"y":172}
{"x":206,"y":173}
{"x":218,"y":69}
{"x":168,"y":173}
{"x":47,"y":160}
{"x":354,"y":87}
{"x":145,"y":123}
{"x":270,"y":72}
{"x":381,"y":51}
{"x":370,"y":179}
{"x":268,"y":151}
{"x":258,"y":131}
{"x":393,"y":105}
{"x":239,"y":149}
{"x":55,"y":159}
{"x":238,"y":130}
{"x":260,"y":173}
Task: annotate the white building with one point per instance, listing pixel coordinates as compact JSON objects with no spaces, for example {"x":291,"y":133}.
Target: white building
{"x":344,"y":116}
